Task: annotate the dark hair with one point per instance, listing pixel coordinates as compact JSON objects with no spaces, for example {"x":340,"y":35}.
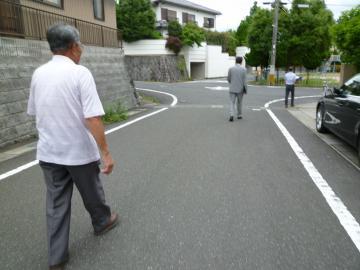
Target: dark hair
{"x":290,"y":69}
{"x":61,"y":37}
{"x":238,"y":60}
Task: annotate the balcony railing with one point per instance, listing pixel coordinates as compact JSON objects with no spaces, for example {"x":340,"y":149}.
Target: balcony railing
{"x":26,"y":22}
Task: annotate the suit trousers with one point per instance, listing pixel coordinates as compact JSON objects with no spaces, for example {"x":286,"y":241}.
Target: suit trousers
{"x":236,"y":103}
{"x":289,"y":89}
{"x":59,"y":181}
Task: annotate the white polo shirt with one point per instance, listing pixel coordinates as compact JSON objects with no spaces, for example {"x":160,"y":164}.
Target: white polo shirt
{"x":290,"y":78}
{"x":62,"y":95}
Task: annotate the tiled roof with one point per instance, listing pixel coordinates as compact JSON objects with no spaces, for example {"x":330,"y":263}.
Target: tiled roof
{"x":188,"y":4}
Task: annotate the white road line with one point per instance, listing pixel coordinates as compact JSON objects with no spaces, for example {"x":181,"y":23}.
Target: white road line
{"x":36,"y":162}
{"x":346,"y":219}
{"x":175,"y":100}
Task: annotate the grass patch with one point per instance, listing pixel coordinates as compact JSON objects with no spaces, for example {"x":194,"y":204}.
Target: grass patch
{"x":114,"y":114}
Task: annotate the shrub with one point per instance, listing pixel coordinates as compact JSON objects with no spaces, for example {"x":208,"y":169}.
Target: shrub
{"x":174,"y":29}
{"x":174,"y":44}
{"x":192,"y":34}
{"x":114,"y":114}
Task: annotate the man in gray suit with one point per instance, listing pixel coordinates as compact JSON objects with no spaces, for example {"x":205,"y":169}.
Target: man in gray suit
{"x":238,"y":87}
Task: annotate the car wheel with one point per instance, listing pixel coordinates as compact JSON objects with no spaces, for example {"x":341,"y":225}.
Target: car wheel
{"x":320,"y":119}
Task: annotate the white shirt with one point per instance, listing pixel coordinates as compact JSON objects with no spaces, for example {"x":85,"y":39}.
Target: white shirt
{"x":62,"y":95}
{"x":290,"y":78}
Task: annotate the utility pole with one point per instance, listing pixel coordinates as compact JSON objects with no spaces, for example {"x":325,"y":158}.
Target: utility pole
{"x":273,"y":44}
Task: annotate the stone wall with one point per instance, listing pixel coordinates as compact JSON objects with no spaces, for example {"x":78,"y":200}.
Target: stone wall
{"x":19,"y":58}
{"x":163,"y":68}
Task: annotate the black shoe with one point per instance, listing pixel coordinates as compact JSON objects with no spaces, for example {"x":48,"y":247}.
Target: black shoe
{"x":231,"y":119}
{"x":239,"y":117}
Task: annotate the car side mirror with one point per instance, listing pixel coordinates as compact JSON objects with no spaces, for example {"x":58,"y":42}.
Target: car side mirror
{"x":337,"y":91}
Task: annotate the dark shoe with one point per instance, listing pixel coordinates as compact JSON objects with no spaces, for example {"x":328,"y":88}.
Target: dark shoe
{"x":231,"y":118}
{"x":60,"y":266}
{"x":113,"y":221}
{"x":239,"y":117}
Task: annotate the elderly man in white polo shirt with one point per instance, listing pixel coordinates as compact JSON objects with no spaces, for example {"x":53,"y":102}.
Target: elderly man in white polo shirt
{"x":290,"y":80}
{"x":65,"y":102}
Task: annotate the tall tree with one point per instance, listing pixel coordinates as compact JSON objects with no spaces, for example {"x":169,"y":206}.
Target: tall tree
{"x":347,"y":36}
{"x":259,"y":39}
{"x":310,"y":38}
{"x":243,"y":29}
{"x":136,"y":20}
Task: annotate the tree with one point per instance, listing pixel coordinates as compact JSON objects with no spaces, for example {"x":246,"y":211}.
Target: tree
{"x":347,"y":36}
{"x":259,"y":39}
{"x":192,"y":34}
{"x":310,"y":38}
{"x":243,"y":29}
{"x":136,"y":20}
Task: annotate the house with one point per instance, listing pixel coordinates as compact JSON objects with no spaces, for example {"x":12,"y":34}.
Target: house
{"x":184,"y":11}
{"x":95,"y":19}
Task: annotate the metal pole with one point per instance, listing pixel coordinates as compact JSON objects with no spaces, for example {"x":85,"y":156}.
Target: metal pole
{"x":274,"y":39}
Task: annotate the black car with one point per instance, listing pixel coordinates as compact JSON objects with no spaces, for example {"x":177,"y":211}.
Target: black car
{"x":338,"y":111}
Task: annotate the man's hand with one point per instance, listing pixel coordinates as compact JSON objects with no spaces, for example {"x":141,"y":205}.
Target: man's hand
{"x":96,"y":127}
{"x":108,"y":163}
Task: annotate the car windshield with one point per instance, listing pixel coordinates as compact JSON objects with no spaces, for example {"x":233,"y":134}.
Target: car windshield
{"x":352,"y":86}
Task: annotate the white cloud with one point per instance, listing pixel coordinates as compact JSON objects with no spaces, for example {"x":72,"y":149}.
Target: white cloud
{"x":234,"y":11}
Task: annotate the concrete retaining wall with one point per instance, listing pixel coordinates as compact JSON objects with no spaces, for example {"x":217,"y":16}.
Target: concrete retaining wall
{"x":18,"y":60}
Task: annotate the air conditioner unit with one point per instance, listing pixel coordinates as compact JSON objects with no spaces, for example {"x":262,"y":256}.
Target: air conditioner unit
{"x":161,"y":24}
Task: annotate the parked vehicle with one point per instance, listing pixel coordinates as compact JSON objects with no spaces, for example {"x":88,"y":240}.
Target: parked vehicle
{"x":338,"y":111}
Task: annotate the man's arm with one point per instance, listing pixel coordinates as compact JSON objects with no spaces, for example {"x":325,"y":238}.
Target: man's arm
{"x":96,"y":128}
{"x":229,"y":76}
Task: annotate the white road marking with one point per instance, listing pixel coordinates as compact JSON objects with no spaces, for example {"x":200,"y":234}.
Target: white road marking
{"x":218,"y":88}
{"x":36,"y":162}
{"x":346,"y":219}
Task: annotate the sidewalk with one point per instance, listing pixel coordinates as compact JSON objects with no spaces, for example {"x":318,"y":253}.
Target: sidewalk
{"x":306,"y":114}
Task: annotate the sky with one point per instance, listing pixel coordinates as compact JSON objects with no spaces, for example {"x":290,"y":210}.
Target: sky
{"x":233,"y":11}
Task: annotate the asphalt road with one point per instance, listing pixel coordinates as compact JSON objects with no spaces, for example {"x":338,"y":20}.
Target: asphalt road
{"x":195,"y":191}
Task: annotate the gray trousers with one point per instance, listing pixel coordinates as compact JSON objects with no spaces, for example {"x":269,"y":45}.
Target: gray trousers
{"x":236,"y":103}
{"x":59,"y":181}
{"x":289,"y":89}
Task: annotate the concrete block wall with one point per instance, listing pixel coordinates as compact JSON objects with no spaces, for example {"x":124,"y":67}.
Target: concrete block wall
{"x":18,"y":60}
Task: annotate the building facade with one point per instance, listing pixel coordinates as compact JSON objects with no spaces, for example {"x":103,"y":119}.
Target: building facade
{"x":95,"y":19}
{"x":184,"y":11}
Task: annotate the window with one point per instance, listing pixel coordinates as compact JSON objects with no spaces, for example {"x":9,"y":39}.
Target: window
{"x":56,"y":3}
{"x":188,"y":17}
{"x":99,"y":9}
{"x":168,"y":15}
{"x":352,"y":86}
{"x":209,"y":22}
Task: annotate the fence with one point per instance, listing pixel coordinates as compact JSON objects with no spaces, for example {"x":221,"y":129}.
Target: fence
{"x":26,"y":22}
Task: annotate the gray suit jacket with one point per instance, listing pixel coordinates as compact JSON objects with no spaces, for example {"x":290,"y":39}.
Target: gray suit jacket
{"x":237,"y":79}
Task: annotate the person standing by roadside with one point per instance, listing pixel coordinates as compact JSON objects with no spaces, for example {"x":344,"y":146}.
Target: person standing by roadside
{"x":65,"y":102}
{"x":238,"y":87}
{"x":290,"y":80}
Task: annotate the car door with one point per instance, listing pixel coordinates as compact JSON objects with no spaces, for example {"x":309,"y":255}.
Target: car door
{"x":349,"y":107}
{"x":331,"y":111}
